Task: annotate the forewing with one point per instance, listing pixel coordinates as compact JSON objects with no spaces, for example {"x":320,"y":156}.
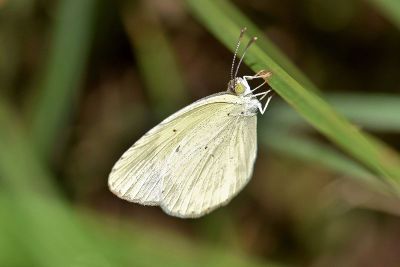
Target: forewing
{"x":137,"y":175}
{"x":211,"y":167}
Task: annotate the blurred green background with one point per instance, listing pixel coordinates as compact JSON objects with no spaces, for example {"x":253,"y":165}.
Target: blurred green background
{"x":82,"y":80}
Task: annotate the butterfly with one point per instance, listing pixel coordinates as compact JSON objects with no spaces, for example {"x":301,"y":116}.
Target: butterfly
{"x":200,"y":157}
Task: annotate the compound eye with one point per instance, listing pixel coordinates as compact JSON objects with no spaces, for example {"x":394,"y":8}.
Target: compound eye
{"x":239,"y":89}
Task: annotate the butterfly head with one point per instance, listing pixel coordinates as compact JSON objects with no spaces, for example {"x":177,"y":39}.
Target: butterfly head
{"x":239,"y":87}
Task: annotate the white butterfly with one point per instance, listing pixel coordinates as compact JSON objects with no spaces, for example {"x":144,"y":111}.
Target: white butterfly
{"x":199,"y":158}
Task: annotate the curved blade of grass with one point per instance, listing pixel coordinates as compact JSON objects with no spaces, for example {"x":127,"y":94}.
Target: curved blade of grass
{"x":59,"y":86}
{"x":16,"y":158}
{"x":282,"y":120}
{"x":216,"y":16}
{"x":390,"y":8}
{"x":376,"y":112}
{"x":306,"y":149}
{"x":383,"y":116}
{"x":40,"y":224}
{"x":155,"y":56}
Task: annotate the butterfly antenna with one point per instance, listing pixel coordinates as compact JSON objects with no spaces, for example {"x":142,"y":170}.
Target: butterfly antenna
{"x":242,"y":31}
{"x":252,"y":40}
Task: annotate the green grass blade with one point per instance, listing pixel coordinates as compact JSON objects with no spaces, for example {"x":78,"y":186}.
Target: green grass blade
{"x":281,"y":121}
{"x":33,"y":209}
{"x":390,"y":8}
{"x":306,"y":149}
{"x":16,"y":159}
{"x":59,"y":85}
{"x":372,"y":153}
{"x":376,"y":112}
{"x":156,"y":58}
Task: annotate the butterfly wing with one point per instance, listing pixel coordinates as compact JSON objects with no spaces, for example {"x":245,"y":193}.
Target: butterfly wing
{"x":155,"y":170}
{"x":212,"y":170}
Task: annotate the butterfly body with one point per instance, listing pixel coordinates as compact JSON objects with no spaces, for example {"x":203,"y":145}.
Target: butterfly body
{"x":195,"y":160}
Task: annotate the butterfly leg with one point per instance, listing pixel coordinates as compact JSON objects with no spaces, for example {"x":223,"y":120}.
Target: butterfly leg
{"x":263,"y":94}
{"x":260,"y":75}
{"x":264,"y":82}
